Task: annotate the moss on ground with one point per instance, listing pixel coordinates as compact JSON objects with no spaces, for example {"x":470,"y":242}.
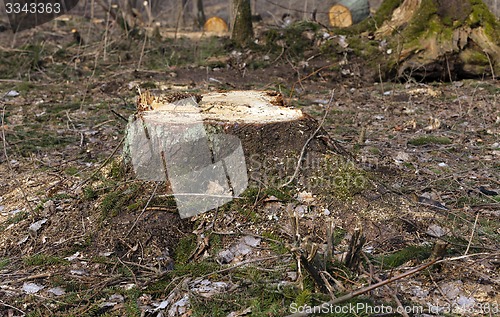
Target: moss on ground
{"x":119,"y":200}
{"x":427,"y":140}
{"x":42,"y":259}
{"x":404,"y":255}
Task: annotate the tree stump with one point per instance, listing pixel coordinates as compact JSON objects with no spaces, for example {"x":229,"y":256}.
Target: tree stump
{"x":209,"y":147}
{"x":442,"y":40}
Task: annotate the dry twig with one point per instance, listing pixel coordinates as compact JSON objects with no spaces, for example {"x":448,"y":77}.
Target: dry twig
{"x":102,"y":165}
{"x":302,"y":153}
{"x":472,"y":234}
{"x":244,"y":263}
{"x":143,"y":210}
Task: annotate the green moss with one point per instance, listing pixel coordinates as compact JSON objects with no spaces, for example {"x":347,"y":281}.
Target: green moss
{"x":44,"y":260}
{"x":292,"y":38}
{"x":385,"y":10}
{"x":109,"y":205}
{"x":132,"y":308}
{"x":383,"y":13}
{"x":348,"y":180}
{"x":115,"y":202}
{"x":374,"y":150}
{"x":185,"y":247}
{"x":33,"y":138}
{"x":196,"y":269}
{"x":215,"y":243}
{"x":481,"y":15}
{"x":165,"y":201}
{"x":89,"y":193}
{"x":209,"y":47}
{"x":25,"y":87}
{"x":426,"y":140}
{"x":71,"y":171}
{"x":117,"y":170}
{"x":18,"y":217}
{"x":474,"y":57}
{"x":4,"y":262}
{"x":264,"y":300}
{"x":277,"y":247}
{"x":420,"y":22}
{"x":400,"y":257}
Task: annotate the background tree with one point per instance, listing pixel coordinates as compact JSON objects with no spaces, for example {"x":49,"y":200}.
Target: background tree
{"x":241,"y":22}
{"x":199,"y":13}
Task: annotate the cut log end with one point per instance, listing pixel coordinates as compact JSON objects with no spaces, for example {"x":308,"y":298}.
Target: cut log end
{"x":348,"y":12}
{"x":340,"y":16}
{"x":215,"y":25}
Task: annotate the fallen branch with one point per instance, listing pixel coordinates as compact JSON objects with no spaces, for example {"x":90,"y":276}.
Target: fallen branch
{"x":27,"y":278}
{"x":325,"y":306}
{"x":243,"y":263}
{"x":12,"y":307}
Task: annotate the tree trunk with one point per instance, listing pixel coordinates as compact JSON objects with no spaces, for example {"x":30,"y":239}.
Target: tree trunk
{"x":200,"y":14}
{"x":181,"y":13}
{"x":242,"y":30}
{"x":442,"y":40}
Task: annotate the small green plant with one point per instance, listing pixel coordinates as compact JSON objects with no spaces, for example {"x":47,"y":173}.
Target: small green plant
{"x":18,"y":217}
{"x":303,"y":298}
{"x":89,"y":193}
{"x":117,"y":170}
{"x":71,"y":171}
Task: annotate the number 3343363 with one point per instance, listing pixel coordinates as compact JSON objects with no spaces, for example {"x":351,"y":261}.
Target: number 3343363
{"x":32,"y":8}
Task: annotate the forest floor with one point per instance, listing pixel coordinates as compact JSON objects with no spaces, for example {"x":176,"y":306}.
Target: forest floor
{"x":80,"y":236}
